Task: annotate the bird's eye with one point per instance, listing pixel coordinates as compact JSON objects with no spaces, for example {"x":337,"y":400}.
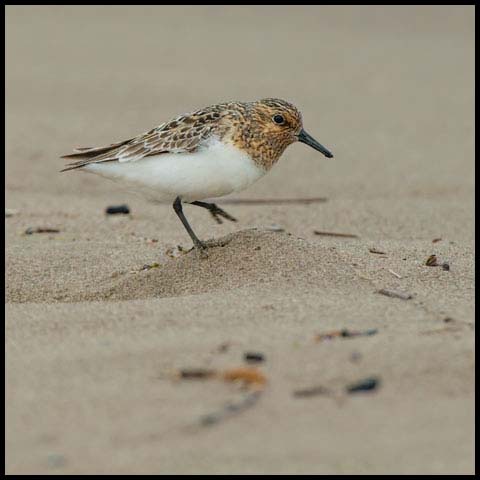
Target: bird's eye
{"x":278,"y":119}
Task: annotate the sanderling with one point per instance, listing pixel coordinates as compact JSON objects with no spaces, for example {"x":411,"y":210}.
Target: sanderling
{"x":206,"y":154}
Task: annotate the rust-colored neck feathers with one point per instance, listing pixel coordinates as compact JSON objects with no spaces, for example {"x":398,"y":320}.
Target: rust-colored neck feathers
{"x":252,"y":127}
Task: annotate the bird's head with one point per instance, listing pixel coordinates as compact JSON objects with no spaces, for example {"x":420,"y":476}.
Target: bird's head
{"x":274,"y":125}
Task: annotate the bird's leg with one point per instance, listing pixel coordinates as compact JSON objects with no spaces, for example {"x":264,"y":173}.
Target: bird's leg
{"x":177,"y":206}
{"x":215,"y":211}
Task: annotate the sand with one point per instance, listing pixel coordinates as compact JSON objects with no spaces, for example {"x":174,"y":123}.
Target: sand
{"x":93,"y":340}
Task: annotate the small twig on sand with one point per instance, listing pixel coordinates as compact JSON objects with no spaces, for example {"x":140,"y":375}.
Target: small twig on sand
{"x":231,"y":408}
{"x":273,"y":201}
{"x":394,"y":273}
{"x":450,"y":328}
{"x":364,"y":385}
{"x":197,"y":373}
{"x":31,"y":230}
{"x":345,"y":334}
{"x":335,"y":234}
{"x":312,"y":391}
{"x":395,"y":294}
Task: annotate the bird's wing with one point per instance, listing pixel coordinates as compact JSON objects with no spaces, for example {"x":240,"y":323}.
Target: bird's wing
{"x":182,"y":134}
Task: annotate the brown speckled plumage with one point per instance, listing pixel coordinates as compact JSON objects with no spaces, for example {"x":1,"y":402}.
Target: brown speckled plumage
{"x":247,"y":125}
{"x":264,"y":140}
{"x":207,"y":154}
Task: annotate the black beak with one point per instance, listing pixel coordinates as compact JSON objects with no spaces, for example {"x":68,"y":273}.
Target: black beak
{"x":304,"y":137}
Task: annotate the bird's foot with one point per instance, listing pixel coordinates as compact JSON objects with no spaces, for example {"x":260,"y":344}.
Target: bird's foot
{"x":218,"y":212}
{"x":200,"y":247}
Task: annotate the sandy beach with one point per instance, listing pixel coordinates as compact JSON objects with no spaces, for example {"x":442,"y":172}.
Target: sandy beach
{"x":104,"y":312}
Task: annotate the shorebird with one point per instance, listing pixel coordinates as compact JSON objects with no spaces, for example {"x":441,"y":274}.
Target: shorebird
{"x":206,"y":154}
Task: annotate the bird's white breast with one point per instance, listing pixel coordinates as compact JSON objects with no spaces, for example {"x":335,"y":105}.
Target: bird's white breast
{"x":214,"y":170}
